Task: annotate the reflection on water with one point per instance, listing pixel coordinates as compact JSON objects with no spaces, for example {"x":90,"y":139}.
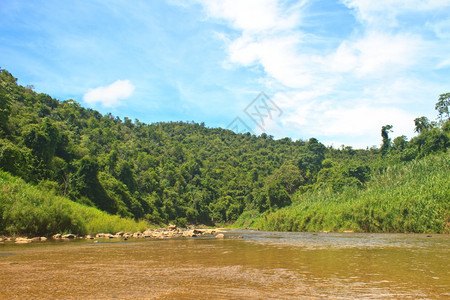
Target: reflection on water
{"x":261,"y":265}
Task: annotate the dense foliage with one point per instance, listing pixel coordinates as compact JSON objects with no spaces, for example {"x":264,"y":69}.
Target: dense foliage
{"x":26,"y":209}
{"x":182,"y":172}
{"x":414,"y":197}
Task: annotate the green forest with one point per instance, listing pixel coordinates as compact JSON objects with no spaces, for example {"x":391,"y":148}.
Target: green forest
{"x":66,"y":168}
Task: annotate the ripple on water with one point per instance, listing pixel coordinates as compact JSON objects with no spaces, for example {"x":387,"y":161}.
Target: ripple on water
{"x":261,"y":265}
{"x":6,"y":254}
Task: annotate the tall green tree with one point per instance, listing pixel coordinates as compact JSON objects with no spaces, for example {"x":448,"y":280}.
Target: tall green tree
{"x":442,"y":106}
{"x":4,"y":99}
{"x":42,"y":140}
{"x":385,"y":130}
{"x":310,"y":158}
{"x":422,"y":124}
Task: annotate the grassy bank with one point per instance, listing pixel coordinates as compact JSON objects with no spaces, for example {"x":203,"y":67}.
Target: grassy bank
{"x":412,"y":197}
{"x":27,"y":210}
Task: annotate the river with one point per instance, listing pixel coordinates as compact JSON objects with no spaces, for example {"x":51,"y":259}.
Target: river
{"x":260,"y":265}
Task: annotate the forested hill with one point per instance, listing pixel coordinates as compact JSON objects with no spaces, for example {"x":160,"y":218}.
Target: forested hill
{"x":179,"y":172}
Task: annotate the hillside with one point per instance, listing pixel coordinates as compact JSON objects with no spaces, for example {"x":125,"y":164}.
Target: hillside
{"x":180,"y":172}
{"x":414,"y":197}
{"x":27,"y":210}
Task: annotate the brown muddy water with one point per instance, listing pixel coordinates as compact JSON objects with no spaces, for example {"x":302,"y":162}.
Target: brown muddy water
{"x":261,"y":265}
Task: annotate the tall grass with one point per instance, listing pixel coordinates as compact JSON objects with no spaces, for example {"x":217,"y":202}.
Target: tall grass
{"x":412,"y":197}
{"x":27,"y":210}
{"x":246,"y":219}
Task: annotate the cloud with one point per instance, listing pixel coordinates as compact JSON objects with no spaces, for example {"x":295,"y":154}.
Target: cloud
{"x":253,"y":15}
{"x":279,"y":57}
{"x":377,"y":53}
{"x":286,"y":54}
{"x":348,"y":86}
{"x":110,"y":95}
{"x":358,"y":125}
{"x":385,"y":13}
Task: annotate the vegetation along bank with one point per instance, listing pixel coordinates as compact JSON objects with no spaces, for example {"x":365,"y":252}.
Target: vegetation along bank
{"x":68,"y":169}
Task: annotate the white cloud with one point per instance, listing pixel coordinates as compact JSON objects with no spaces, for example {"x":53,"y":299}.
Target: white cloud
{"x":309,"y":113}
{"x":253,"y":15}
{"x":283,"y":52}
{"x":362,"y":119}
{"x":377,"y":53}
{"x":358,"y":125}
{"x":110,"y":95}
{"x":384,"y":13}
{"x":279,"y":57}
{"x":348,"y":91}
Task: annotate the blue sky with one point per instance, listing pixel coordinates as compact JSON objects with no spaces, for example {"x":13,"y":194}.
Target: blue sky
{"x":334,"y":70}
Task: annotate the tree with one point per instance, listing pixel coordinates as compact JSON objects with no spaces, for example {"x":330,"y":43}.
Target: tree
{"x":400,"y":143}
{"x":277,"y":196}
{"x":385,"y":130}
{"x":311,"y":156}
{"x":126,"y":175}
{"x":111,"y":162}
{"x":4,"y":103}
{"x":422,"y":124}
{"x":289,"y":176}
{"x":42,"y":140}
{"x":4,"y":109}
{"x":87,"y":185}
{"x":16,"y":160}
{"x":442,"y":106}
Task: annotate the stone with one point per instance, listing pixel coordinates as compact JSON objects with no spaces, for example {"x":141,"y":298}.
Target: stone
{"x":137,"y":234}
{"x":198,"y":231}
{"x":105,"y":235}
{"x":189,"y":233}
{"x":69,"y":236}
{"x":39,"y":239}
{"x":220,"y":236}
{"x":21,"y":240}
{"x":148,"y":233}
{"x":158,"y":234}
{"x":56,"y":236}
{"x":174,"y":234}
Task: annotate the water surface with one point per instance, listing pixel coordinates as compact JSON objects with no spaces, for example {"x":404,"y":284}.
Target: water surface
{"x":260,"y":265}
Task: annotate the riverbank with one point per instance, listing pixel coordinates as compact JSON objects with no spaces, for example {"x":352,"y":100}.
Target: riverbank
{"x":406,"y":198}
{"x":29,"y":210}
{"x":409,"y":198}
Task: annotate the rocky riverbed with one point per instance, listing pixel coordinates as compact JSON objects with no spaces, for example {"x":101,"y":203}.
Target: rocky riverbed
{"x":172,"y":231}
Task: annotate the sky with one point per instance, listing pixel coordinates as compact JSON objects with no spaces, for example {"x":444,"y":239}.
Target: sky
{"x":334,"y":70}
